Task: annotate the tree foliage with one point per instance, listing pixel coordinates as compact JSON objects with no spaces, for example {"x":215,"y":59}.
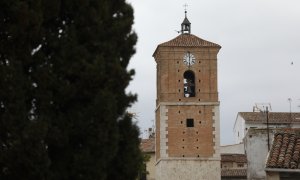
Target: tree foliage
{"x":62,"y":90}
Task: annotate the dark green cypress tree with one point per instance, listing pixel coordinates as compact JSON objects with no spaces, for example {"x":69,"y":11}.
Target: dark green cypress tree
{"x":124,"y":164}
{"x":62,"y":90}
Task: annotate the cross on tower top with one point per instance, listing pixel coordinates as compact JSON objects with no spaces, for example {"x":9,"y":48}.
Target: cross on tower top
{"x":185,"y":8}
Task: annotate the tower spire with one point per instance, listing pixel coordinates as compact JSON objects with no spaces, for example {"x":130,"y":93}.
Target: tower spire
{"x":185,"y":25}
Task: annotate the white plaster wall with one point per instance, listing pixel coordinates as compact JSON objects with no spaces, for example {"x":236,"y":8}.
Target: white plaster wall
{"x":239,"y":129}
{"x":233,"y":149}
{"x":184,"y":169}
{"x":256,"y":150}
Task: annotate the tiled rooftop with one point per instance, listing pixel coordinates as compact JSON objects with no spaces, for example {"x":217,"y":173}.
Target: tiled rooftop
{"x":189,"y":40}
{"x":148,"y":145}
{"x":234,"y":172}
{"x":285,"y":151}
{"x":274,"y":117}
{"x":238,"y":158}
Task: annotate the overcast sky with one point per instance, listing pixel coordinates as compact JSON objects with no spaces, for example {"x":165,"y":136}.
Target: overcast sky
{"x":260,"y":39}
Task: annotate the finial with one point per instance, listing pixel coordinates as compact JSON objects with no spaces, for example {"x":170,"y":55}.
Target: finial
{"x":185,"y":7}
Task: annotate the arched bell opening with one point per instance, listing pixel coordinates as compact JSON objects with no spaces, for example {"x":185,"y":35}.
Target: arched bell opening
{"x":189,"y":84}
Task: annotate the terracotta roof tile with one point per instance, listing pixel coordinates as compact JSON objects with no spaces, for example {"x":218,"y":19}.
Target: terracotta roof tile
{"x":148,"y":145}
{"x":285,"y":151}
{"x":239,"y":158}
{"x":189,"y":40}
{"x":274,"y":117}
{"x":234,"y":172}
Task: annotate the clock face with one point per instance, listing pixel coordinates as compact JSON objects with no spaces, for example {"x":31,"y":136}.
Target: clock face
{"x":189,"y":59}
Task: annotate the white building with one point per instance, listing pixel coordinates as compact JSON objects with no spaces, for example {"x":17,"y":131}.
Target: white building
{"x":246,"y":120}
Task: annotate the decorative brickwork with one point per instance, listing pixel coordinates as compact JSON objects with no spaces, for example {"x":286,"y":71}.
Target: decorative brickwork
{"x":163,"y":132}
{"x":216,"y":131}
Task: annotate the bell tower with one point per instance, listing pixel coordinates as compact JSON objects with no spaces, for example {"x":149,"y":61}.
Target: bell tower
{"x":187,"y":108}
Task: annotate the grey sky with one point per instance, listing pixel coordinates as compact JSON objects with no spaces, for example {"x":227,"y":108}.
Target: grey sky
{"x":259,"y":39}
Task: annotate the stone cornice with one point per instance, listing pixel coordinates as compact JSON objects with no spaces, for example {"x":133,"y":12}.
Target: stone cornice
{"x":187,"y":104}
{"x":189,"y":159}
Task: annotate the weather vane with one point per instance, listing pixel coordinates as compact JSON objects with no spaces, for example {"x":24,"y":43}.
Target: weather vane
{"x":185,"y":7}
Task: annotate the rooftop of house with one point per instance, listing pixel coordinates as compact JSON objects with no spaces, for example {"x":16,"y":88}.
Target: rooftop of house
{"x":234,"y":172}
{"x":148,"y":145}
{"x":285,"y":151}
{"x":238,"y":158}
{"x":274,"y":117}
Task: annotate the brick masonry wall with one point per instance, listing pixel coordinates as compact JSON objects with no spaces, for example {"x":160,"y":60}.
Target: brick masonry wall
{"x":186,"y":141}
{"x":170,"y":70}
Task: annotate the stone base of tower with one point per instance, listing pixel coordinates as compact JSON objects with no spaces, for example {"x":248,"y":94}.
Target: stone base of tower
{"x":188,"y":169}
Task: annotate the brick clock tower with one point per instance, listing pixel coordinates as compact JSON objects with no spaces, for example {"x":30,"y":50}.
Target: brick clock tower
{"x":187,"y":108}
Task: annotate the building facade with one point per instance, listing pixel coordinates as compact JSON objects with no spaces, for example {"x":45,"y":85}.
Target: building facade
{"x":259,"y":120}
{"x":187,"y":108}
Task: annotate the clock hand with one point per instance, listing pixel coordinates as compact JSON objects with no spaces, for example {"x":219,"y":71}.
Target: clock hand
{"x":190,"y":59}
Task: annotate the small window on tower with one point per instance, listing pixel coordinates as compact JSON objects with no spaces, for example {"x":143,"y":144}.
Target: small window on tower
{"x":189,"y":122}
